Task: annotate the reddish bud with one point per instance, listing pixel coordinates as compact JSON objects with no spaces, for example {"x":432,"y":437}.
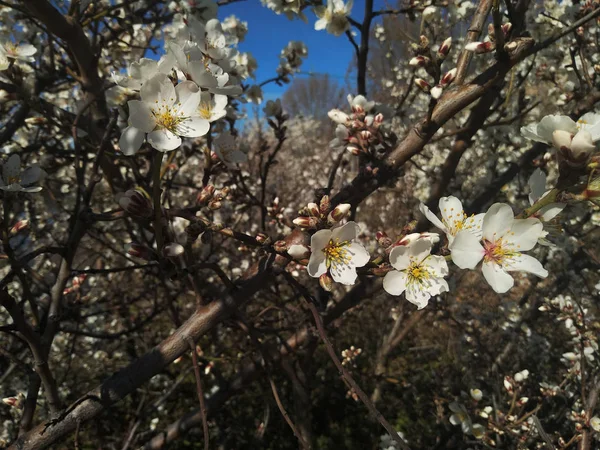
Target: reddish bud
{"x":326,"y":282}
{"x":137,"y":203}
{"x":448,"y":78}
{"x":325,"y":204}
{"x":139,"y":251}
{"x":422,"y":84}
{"x":418,"y":61}
{"x":19,"y":226}
{"x":206,"y":194}
{"x":445,"y":48}
{"x":339,"y":213}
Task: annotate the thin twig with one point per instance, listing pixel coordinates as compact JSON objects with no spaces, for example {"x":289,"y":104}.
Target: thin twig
{"x":200,"y":394}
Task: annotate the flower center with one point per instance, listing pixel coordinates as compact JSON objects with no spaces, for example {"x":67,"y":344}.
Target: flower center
{"x":458,"y":222}
{"x":15,"y":179}
{"x":11,"y":49}
{"x":417,"y":272}
{"x":498,"y":251}
{"x":205,"y":110}
{"x":167,"y":117}
{"x":336,"y":253}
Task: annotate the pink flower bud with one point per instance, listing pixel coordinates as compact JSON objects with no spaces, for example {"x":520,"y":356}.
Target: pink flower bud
{"x":325,"y":204}
{"x":137,"y":203}
{"x":480,"y":47}
{"x":19,"y":226}
{"x":262,"y":238}
{"x":305,"y":222}
{"x":313,"y":209}
{"x":506,"y":28}
{"x":383,"y":239}
{"x":378,"y":119}
{"x":448,"y":78}
{"x":422,"y":84}
{"x":445,"y":48}
{"x":326,"y":282}
{"x":582,"y":144}
{"x":339,"y":213}
{"x":206,"y":194}
{"x":139,"y":251}
{"x":214,"y":205}
{"x":280,"y":246}
{"x":418,"y":61}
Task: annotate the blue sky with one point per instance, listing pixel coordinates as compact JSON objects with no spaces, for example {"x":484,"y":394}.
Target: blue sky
{"x":269,"y":33}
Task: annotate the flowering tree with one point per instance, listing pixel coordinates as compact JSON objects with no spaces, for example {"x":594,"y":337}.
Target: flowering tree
{"x":425,"y":276}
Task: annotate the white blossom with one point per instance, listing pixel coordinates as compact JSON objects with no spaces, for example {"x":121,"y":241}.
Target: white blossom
{"x":418,"y":273}
{"x":334,"y":251}
{"x":504,"y":238}
{"x":334,"y":16}
{"x":165,"y":113}
{"x":227,"y":150}
{"x":13,"y":180}
{"x":454,"y":218}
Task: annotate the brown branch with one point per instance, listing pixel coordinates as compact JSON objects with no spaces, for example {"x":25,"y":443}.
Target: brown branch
{"x":200,"y":392}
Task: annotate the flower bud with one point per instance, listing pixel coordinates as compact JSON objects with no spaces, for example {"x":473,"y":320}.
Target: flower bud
{"x":173,"y":250}
{"x":326,"y":282}
{"x":339,"y":213}
{"x":383,"y":239}
{"x":418,"y":61}
{"x":280,"y":246}
{"x":139,"y":251}
{"x":137,"y":203}
{"x":445,"y":48}
{"x":205,"y":194}
{"x":476,"y":394}
{"x":19,"y":226}
{"x":313,"y":209}
{"x":338,"y":116}
{"x":305,"y":222}
{"x":480,"y":47}
{"x":582,"y":144}
{"x":298,"y":251}
{"x":436,"y":91}
{"x":595,"y":423}
{"x":561,"y":139}
{"x":262,"y":238}
{"x":507,"y":384}
{"x":214,"y":205}
{"x":325,"y":204}
{"x":522,"y":401}
{"x":378,"y":120}
{"x":14,"y":402}
{"x":506,"y":28}
{"x":448,"y":78}
{"x":422,"y":84}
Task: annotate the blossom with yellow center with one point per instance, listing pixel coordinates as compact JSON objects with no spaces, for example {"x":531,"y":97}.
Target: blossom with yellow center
{"x":335,"y":251}
{"x":418,"y":274}
{"x":14,"y":180}
{"x":165,"y":113}
{"x":454,"y":219}
{"x":503,"y":240}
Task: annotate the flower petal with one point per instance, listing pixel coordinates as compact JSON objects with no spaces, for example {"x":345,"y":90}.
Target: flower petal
{"x":417,"y":296}
{"x":347,"y":232}
{"x":360,"y":256}
{"x":394,"y":282}
{"x":429,"y":215}
{"x":343,"y":274}
{"x":31,"y":174}
{"x":400,"y":257}
{"x":437,"y":264}
{"x":497,"y":278}
{"x":550,"y":211}
{"x":537,"y":185}
{"x":188,"y":96}
{"x":497,"y":221}
{"x":163,"y":140}
{"x":140,"y":116}
{"x":526,"y":263}
{"x":451,"y":210}
{"x":12,"y":168}
{"x":131,"y":140}
{"x":466,"y":251}
{"x":524,"y":233}
{"x":193,"y":127}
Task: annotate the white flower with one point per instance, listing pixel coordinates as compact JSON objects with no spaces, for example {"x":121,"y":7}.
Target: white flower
{"x":454,"y":218}
{"x":141,"y":71}
{"x":595,"y":423}
{"x":23,"y":52}
{"x":212,"y":107}
{"x":521,"y":376}
{"x":334,"y":251}
{"x":13,"y":180}
{"x":537,"y":186}
{"x":476,"y":394}
{"x":254,"y":94}
{"x":478,"y":431}
{"x":227,"y":150}
{"x":360,"y":104}
{"x":338,"y":116}
{"x":273,"y":108}
{"x":333,"y":17}
{"x":460,"y":417}
{"x":418,"y":273}
{"x":503,"y":239}
{"x":565,"y":134}
{"x":165,"y":113}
